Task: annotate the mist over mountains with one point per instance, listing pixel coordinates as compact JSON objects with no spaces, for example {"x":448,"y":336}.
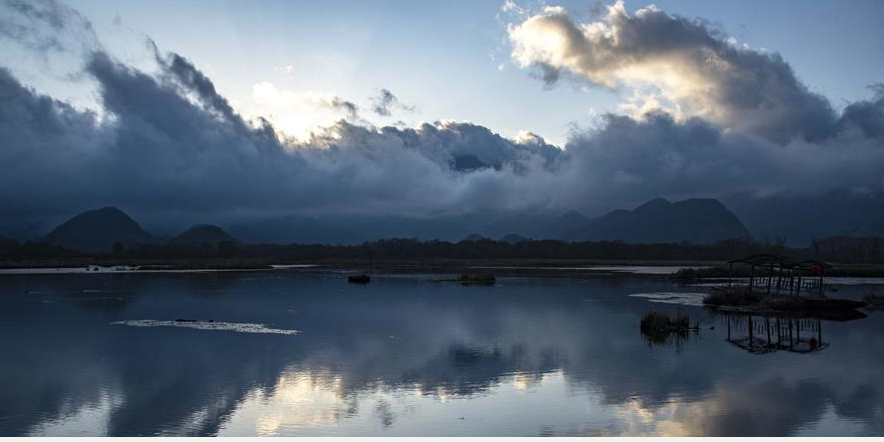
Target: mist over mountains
{"x":789,"y":221}
{"x":696,"y":221}
{"x":797,"y":219}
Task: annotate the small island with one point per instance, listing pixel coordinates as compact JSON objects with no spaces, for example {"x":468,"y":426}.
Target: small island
{"x":778,"y":285}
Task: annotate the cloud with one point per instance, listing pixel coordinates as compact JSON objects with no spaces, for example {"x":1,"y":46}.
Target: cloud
{"x":297,"y":114}
{"x":384,"y":103}
{"x":702,"y":116}
{"x":169,"y":141}
{"x":865,"y":117}
{"x":173,"y":143}
{"x":628,"y":160}
{"x":510,"y":5}
{"x":677,"y":64}
{"x":46,"y":26}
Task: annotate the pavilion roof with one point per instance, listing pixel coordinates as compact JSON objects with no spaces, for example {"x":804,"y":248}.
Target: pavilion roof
{"x":766,"y":259}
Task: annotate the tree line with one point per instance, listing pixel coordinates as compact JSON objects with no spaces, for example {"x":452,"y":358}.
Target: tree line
{"x":837,"y":250}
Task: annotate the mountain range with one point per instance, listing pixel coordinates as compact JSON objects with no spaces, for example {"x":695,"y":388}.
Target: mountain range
{"x":102,"y":229}
{"x":790,"y":219}
{"x":699,"y":221}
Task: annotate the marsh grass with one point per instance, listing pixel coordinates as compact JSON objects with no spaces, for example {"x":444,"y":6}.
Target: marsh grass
{"x":659,"y":328}
{"x":663,"y":323}
{"x":737,"y":296}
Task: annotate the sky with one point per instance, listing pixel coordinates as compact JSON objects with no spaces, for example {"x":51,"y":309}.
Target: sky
{"x":451,"y":59}
{"x":421,"y":108}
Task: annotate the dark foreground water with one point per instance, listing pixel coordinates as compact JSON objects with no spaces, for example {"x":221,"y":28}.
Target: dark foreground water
{"x":404,"y":356}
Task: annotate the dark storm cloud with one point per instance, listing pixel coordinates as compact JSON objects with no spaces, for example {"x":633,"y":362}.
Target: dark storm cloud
{"x":626,"y":160}
{"x":707,"y":116}
{"x":170,"y":141}
{"x":867,"y":117}
{"x":194,"y":80}
{"x":385,"y":102}
{"x":173,"y":142}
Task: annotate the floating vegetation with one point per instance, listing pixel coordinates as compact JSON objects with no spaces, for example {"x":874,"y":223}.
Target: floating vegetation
{"x":659,"y":327}
{"x":196,"y":324}
{"x":361,"y":278}
{"x":655,"y":321}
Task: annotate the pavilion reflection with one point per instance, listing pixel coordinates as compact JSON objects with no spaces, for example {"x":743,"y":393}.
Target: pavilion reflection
{"x":766,"y":334}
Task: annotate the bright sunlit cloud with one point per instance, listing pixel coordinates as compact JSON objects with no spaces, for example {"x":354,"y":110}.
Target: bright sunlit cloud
{"x":296,"y":114}
{"x":674,"y":64}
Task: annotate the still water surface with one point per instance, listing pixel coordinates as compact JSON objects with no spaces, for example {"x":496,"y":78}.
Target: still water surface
{"x":300,"y":352}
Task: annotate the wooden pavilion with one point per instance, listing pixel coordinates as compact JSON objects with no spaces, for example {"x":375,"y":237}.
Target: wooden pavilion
{"x":781,"y":275}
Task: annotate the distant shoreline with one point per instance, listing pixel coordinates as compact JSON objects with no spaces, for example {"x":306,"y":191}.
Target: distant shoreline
{"x":504,"y":267}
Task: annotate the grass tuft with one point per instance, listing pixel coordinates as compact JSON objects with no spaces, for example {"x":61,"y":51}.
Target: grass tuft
{"x":737,"y":295}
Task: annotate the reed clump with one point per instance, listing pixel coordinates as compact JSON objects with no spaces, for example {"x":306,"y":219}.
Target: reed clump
{"x":656,"y":322}
{"x":733,"y":296}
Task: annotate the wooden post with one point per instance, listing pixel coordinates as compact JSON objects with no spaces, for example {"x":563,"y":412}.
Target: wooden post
{"x":779,"y":278}
{"x":770,"y":279}
{"x":791,"y":281}
{"x":751,"y":335}
{"x":779,"y":333}
{"x":821,"y":282}
{"x":767,"y":326}
{"x":751,"y":278}
{"x":730,"y":268}
{"x":790,"y":334}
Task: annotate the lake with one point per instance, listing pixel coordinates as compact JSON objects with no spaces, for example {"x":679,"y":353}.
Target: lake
{"x":302,"y":352}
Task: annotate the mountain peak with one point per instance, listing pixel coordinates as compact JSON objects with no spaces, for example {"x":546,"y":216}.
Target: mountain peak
{"x":696,"y":220}
{"x":98,"y":230}
{"x":202,"y":234}
{"x":654,"y":204}
{"x":109,"y":210}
